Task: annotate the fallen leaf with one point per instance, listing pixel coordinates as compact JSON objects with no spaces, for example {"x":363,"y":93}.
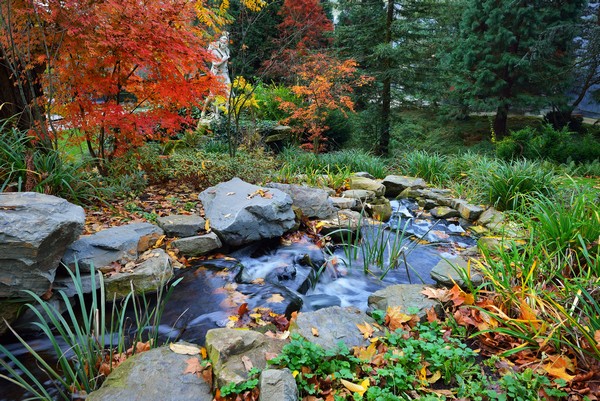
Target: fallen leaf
{"x":597,"y":337}
{"x":356,"y":388}
{"x":368,"y":353}
{"x":270,"y":355}
{"x":243,"y":309}
{"x":558,"y":368}
{"x":315,"y":332}
{"x":434,"y":377}
{"x":441,"y":294}
{"x":184,"y":349}
{"x":394,"y":318}
{"x":247,"y":363}
{"x":275,"y":298}
{"x":207,"y":225}
{"x":432,"y":315}
{"x":366,"y":329}
{"x":193,"y":367}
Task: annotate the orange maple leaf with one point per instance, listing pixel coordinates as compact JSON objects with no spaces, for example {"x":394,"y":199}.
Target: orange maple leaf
{"x":193,"y":367}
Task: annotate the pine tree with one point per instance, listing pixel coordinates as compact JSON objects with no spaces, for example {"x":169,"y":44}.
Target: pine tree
{"x":402,"y":45}
{"x":514,"y":54}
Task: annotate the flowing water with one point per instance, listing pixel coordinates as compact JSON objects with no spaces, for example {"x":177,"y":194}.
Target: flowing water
{"x":296,"y":274}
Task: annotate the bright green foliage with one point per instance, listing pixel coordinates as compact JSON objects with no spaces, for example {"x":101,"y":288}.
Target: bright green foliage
{"x":237,"y":388}
{"x":511,"y":53}
{"x":399,"y":373}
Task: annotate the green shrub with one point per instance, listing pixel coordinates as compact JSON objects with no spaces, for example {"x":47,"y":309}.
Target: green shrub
{"x":548,"y":143}
{"x":269,"y":97}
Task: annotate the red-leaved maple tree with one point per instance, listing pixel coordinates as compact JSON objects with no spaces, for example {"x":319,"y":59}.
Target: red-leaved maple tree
{"x":304,"y":28}
{"x":128,"y":67}
{"x":325,"y":83}
{"x":119,"y":71}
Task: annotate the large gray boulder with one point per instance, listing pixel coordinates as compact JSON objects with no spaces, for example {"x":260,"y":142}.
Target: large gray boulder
{"x":153,"y":272}
{"x":408,"y":297}
{"x":395,"y":184}
{"x":117,"y":244}
{"x":233,"y":351}
{"x":155,"y":375}
{"x":329,"y":326}
{"x":35,"y":230}
{"x":313,"y":202}
{"x":241,"y":213}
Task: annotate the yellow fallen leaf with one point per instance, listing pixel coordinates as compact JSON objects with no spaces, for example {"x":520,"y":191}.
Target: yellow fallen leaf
{"x":366,"y":329}
{"x":295,"y":373}
{"x":368,"y":353}
{"x":435,"y":377}
{"x":315,"y":331}
{"x":184,"y":349}
{"x":207,"y":225}
{"x":558,"y":368}
{"x":356,"y":388}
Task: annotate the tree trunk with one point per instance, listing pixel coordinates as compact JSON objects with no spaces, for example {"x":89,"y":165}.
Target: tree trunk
{"x":19,"y":97}
{"x":386,"y":95}
{"x":500,"y":121}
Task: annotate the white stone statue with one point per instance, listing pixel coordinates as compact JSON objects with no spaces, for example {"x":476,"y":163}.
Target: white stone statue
{"x":220,"y":53}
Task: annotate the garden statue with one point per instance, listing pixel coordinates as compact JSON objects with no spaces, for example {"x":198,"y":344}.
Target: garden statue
{"x":220,"y":53}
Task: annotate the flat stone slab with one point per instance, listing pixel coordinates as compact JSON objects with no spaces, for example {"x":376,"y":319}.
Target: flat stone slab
{"x":198,"y":245}
{"x":181,"y":225}
{"x":468,"y":211}
{"x":444,"y":212}
{"x":333,"y":325}
{"x":368,"y":184}
{"x":343,"y":203}
{"x":361,"y":195}
{"x":277,"y":385}
{"x":342,"y":223}
{"x":490,"y":216}
{"x":406,"y":296}
{"x":313,"y":202}
{"x":117,"y":244}
{"x":155,"y":375}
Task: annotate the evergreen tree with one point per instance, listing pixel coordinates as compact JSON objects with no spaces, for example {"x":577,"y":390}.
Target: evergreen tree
{"x":253,"y":35}
{"x":515,"y":54}
{"x":402,"y":45}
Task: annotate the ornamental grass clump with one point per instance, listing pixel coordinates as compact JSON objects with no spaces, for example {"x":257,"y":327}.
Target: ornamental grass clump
{"x":511,"y":185}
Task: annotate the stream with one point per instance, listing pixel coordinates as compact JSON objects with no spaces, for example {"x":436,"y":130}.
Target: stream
{"x":294,"y":274}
